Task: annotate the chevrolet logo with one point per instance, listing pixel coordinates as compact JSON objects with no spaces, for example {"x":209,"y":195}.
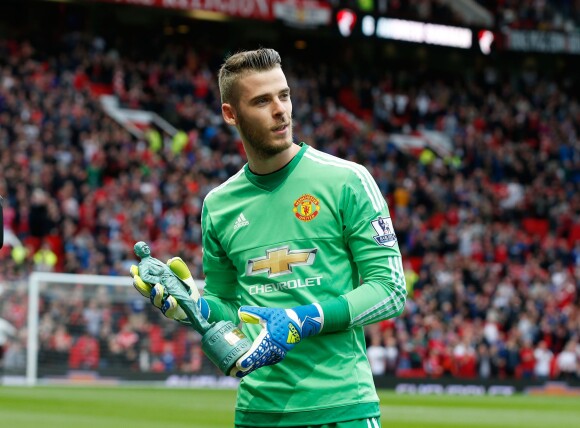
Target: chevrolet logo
{"x":280,"y":261}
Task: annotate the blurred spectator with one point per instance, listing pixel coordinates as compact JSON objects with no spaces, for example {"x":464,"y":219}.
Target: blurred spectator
{"x":528,"y":362}
{"x":84,"y":353}
{"x":377,"y":354}
{"x":45,"y":259}
{"x":61,"y":344}
{"x":7,"y":331}
{"x":14,"y":356}
{"x":433,"y":363}
{"x":465,"y":359}
{"x":486,"y":364}
{"x":508,"y":358}
{"x":93,"y":317}
{"x":144,"y":357}
{"x":568,"y":361}
{"x":391,"y":353}
{"x":167,"y":357}
{"x":543,"y":361}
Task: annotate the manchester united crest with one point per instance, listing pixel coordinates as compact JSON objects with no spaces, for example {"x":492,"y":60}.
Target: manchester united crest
{"x":306,"y":207}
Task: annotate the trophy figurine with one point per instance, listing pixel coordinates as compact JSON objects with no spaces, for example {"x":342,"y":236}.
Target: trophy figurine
{"x":222,"y":341}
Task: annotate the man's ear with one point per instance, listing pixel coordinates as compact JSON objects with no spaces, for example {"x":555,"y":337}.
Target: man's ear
{"x":229,"y":114}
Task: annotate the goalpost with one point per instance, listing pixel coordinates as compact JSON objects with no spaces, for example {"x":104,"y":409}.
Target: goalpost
{"x":99,"y":329}
{"x":34,"y":287}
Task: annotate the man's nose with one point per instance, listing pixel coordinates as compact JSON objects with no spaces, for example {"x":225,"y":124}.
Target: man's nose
{"x":279,"y":107}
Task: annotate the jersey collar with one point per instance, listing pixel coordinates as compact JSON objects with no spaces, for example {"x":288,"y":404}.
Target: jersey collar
{"x":271,"y":181}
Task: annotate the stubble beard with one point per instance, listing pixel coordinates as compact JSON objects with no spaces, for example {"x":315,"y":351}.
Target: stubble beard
{"x":261,"y":141}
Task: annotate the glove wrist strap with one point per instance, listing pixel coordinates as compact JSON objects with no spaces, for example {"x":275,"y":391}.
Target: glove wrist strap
{"x":311,"y":317}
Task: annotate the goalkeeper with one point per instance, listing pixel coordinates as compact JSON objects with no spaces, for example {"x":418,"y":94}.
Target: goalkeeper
{"x":299,"y":246}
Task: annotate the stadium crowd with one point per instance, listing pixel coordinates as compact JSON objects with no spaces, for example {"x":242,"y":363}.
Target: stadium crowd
{"x":489,"y":229}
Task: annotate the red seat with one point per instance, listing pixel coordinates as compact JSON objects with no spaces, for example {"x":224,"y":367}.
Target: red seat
{"x":574,"y":234}
{"x":416,"y":263}
{"x":536,"y":226}
{"x":410,"y":373}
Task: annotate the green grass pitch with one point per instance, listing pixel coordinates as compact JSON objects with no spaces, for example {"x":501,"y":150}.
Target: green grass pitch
{"x":128,"y":407}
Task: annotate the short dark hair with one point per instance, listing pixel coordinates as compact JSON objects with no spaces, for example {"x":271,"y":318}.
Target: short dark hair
{"x":241,"y":63}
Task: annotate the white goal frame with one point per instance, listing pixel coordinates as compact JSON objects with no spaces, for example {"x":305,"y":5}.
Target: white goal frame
{"x":34,"y":281}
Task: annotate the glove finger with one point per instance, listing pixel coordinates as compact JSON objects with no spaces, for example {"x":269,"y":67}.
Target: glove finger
{"x":255,"y":362}
{"x":179,"y":268}
{"x":263,"y":352}
{"x":141,"y":286}
{"x":238,"y":373}
{"x":246,"y":361}
{"x":171,"y":309}
{"x":158,"y":295}
{"x":254,"y":314}
{"x":134,"y":270}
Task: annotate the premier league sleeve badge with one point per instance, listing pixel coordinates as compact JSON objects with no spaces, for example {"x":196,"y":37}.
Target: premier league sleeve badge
{"x":385,"y":231}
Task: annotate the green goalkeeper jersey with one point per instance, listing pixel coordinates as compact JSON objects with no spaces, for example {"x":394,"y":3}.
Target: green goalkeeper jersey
{"x":318,"y":230}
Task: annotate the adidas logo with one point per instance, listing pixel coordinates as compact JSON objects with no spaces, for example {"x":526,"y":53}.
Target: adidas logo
{"x":241,"y":222}
{"x":293,"y":335}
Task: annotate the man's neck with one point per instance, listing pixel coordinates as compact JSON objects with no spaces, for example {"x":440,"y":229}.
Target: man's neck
{"x":263,"y":166}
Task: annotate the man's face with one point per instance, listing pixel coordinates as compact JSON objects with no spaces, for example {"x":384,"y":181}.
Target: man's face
{"x":263,"y":113}
{"x":142,"y":249}
{"x":146,"y":249}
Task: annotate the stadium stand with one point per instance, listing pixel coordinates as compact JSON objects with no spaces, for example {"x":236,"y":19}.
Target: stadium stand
{"x":490,"y":231}
{"x":559,"y":15}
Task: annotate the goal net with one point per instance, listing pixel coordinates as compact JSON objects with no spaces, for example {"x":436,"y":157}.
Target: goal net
{"x":13,"y":319}
{"x":99,"y":329}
